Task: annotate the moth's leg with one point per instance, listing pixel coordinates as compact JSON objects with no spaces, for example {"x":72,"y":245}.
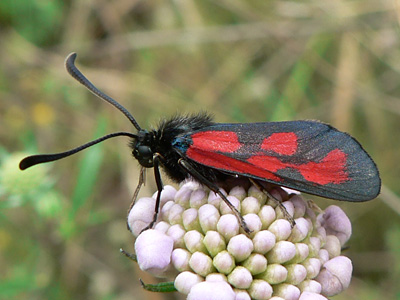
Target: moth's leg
{"x":142,"y":177}
{"x":212,"y":186}
{"x":279,"y":203}
{"x":157,"y":159}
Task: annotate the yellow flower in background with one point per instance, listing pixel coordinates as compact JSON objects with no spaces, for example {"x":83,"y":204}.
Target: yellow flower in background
{"x":42,"y":114}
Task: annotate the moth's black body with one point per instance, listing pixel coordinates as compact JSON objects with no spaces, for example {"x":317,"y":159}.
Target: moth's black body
{"x":173,"y":147}
{"x":160,"y":141}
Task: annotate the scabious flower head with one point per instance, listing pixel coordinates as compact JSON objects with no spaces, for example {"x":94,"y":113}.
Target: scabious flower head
{"x":199,"y":242}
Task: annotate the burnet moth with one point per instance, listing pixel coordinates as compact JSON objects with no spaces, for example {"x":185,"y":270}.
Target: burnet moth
{"x":308,"y":156}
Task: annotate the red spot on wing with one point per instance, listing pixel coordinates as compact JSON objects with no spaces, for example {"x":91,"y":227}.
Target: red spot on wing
{"x":283,"y":143}
{"x":222,"y":162}
{"x":216,"y":141}
{"x":331,"y":169}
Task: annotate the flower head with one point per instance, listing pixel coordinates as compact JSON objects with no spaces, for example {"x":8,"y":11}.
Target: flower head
{"x":197,"y":237}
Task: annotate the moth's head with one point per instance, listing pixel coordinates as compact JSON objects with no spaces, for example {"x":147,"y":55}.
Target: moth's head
{"x":142,"y":148}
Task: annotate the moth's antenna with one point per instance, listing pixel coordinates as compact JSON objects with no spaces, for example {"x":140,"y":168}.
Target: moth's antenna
{"x":75,"y":73}
{"x":44,"y":158}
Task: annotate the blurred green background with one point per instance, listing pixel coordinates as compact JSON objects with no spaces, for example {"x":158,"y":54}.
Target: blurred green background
{"x":61,"y":225}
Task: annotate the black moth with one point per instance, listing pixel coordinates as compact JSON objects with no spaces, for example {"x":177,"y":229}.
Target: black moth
{"x":308,"y":156}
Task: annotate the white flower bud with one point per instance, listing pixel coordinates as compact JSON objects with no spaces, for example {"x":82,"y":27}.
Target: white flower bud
{"x":296,"y":273}
{"x":335,"y":221}
{"x":320,"y":233}
{"x":215,"y":277}
{"x":267,"y":215}
{"x":300,"y":231}
{"x":250,"y":205}
{"x":214,"y":242}
{"x":185,"y":281}
{"x":198,"y":199}
{"x":153,"y":250}
{"x":194,"y":241}
{"x":282,"y":252}
{"x":239,"y":192}
{"x":240,"y":247}
{"x":141,"y":215}
{"x":253,"y":222}
{"x":313,"y":266}
{"x":289,"y":209}
{"x":180,"y":259}
{"x":182,"y":196}
{"x":299,"y":206}
{"x":302,"y":252}
{"x":176,"y":232}
{"x":255,"y":263}
{"x":333,"y":246}
{"x":323,"y":256}
{"x":263,"y":241}
{"x":274,"y":274}
{"x":164,"y":212}
{"x":240,"y":278}
{"x":167,"y":194}
{"x":260,"y":290}
{"x":175,"y":214}
{"x":241,"y":294}
{"x":287,"y":291}
{"x":224,"y":262}
{"x":208,"y":217}
{"x":311,"y":286}
{"x":190,"y":219}
{"x":207,"y":290}
{"x":314,"y":246}
{"x":335,"y":275}
{"x":259,"y":195}
{"x":228,"y":226}
{"x":281,"y":228}
{"x":215,"y":199}
{"x":225,"y":209}
{"x":162,"y":226}
{"x":201,"y":264}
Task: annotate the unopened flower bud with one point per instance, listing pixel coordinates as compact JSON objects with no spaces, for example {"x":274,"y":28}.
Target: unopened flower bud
{"x":240,"y":247}
{"x":208,"y":217}
{"x":335,"y":275}
{"x":194,"y":241}
{"x":274,"y":274}
{"x":198,"y":198}
{"x":186,"y":280}
{"x":207,"y":290}
{"x":240,"y":278}
{"x":201,"y":264}
{"x":228,"y":226}
{"x":282,"y":252}
{"x":255,"y":263}
{"x":180,"y":259}
{"x":260,"y":289}
{"x":190,"y":219}
{"x":296,"y":273}
{"x":287,"y":291}
{"x":224,"y":262}
{"x":214,"y":242}
{"x":151,"y":257}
